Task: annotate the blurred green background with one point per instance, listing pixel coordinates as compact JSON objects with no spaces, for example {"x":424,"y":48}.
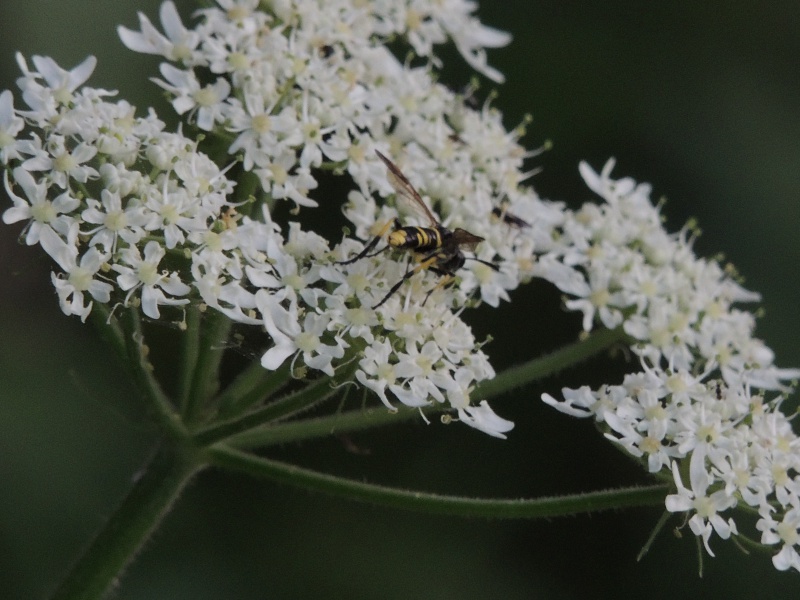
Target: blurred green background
{"x":700,"y":98}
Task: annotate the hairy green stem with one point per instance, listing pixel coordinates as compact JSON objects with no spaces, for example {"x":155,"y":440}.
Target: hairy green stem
{"x":279,"y":472}
{"x":158,"y":400}
{"x":214,"y":330}
{"x":364,"y":419}
{"x":354,"y":420}
{"x":129,"y":527}
{"x":190,"y":352}
{"x":545,"y":366}
{"x":747,"y":544}
{"x":253,"y":385}
{"x":301,"y":400}
{"x":109,"y":329}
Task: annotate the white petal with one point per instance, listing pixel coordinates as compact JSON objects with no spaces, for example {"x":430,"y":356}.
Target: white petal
{"x":483,"y":418}
{"x":274,"y":357}
{"x":57,"y":248}
{"x":171,"y":21}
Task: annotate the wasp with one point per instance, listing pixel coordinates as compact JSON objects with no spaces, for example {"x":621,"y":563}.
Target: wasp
{"x":437,"y":248}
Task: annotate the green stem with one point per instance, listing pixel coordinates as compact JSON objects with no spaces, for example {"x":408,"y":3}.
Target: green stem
{"x":190,"y":351}
{"x":355,"y":420}
{"x":365,"y":419}
{"x":434,"y":503}
{"x":131,"y":525}
{"x":289,"y":405}
{"x":544,"y":366}
{"x":700,"y":555}
{"x":246,"y":187}
{"x":747,"y":543}
{"x":109,"y":329}
{"x":662,"y":521}
{"x":158,"y":400}
{"x":253,"y":385}
{"x":214,"y":331}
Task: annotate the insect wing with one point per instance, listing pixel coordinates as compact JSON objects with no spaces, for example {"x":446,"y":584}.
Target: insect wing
{"x":462,"y":237}
{"x":405,"y":190}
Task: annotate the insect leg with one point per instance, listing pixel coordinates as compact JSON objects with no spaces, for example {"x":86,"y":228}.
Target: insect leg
{"x":420,"y":267}
{"x":446,"y":279}
{"x":374,"y":242}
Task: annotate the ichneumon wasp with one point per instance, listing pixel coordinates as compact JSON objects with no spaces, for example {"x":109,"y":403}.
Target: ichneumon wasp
{"x":437,"y":248}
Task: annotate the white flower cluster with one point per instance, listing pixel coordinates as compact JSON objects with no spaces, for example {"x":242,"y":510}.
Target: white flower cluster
{"x":284,"y":95}
{"x":96,"y":183}
{"x":697,"y":410}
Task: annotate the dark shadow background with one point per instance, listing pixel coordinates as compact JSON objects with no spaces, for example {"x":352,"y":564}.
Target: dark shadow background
{"x":702,"y":101}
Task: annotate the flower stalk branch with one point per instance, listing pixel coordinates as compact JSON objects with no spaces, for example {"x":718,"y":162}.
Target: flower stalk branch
{"x":279,"y":472}
{"x":310,"y":395}
{"x":307,"y":429}
{"x":157,"y":400}
{"x":190,"y":352}
{"x":212,"y":341}
{"x":546,"y":366}
{"x":252,"y":386}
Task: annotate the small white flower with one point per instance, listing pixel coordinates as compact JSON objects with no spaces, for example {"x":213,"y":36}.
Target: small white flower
{"x":81,"y":273}
{"x":44,"y":100}
{"x":786,"y":532}
{"x":177,"y":45}
{"x":42,"y":212}
{"x":10,"y":126}
{"x":583,"y":402}
{"x":174,"y":212}
{"x":114,"y":222}
{"x":262,"y":133}
{"x":290,"y":337}
{"x":190,"y":97}
{"x":62,"y":163}
{"x":142,"y":273}
{"x":705,"y":519}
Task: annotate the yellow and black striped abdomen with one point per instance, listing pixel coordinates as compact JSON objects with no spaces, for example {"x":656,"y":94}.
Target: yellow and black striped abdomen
{"x":418,"y":239}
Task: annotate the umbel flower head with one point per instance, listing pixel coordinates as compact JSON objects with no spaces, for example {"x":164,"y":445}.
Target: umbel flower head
{"x":704,"y":409}
{"x":138,"y":216}
{"x":270,"y":204}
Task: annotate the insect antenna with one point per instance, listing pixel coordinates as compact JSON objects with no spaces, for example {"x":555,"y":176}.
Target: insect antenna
{"x":484,"y":262}
{"x":365,"y":253}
